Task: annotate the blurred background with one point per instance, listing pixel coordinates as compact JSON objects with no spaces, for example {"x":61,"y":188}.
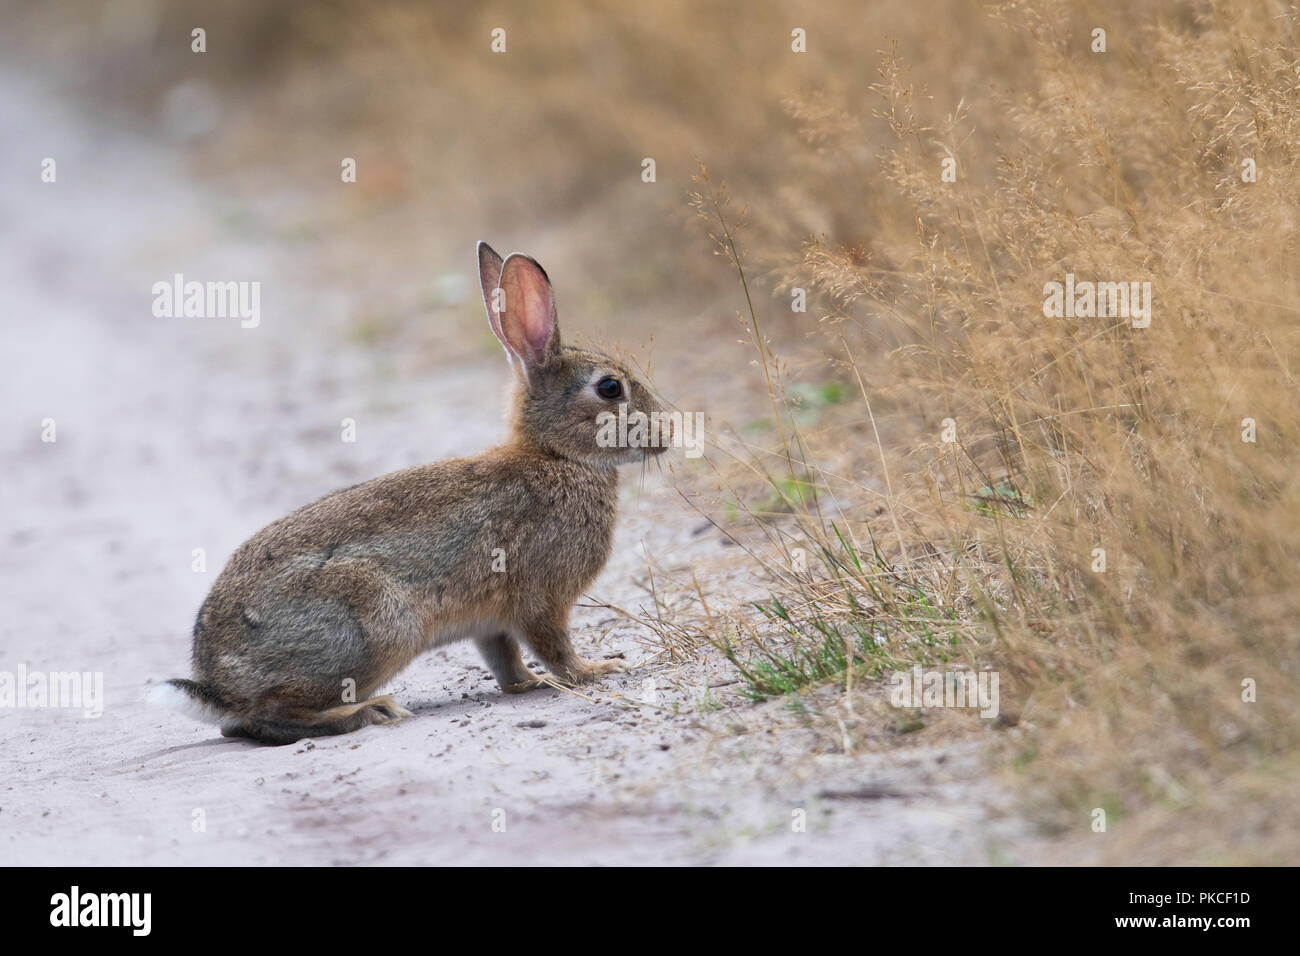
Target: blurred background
{"x":537,"y":148}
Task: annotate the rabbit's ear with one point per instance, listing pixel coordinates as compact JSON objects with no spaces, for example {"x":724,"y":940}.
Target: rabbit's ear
{"x":489,"y":277}
{"x":528,"y":327}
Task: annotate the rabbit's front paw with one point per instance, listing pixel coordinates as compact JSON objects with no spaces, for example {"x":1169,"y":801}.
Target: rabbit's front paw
{"x":580,"y":672}
{"x":535,"y":682}
{"x":586,"y":671}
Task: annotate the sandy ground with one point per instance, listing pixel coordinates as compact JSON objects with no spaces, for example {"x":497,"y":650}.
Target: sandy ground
{"x":176,"y":434}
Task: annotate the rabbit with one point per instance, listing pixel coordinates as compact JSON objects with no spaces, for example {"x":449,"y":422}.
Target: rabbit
{"x":345,"y":592}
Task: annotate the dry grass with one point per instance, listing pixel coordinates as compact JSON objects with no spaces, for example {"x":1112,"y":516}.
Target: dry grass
{"x":1074,"y":434}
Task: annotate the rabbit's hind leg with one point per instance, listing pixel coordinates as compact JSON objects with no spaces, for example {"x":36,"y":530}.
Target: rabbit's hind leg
{"x":336,"y":720}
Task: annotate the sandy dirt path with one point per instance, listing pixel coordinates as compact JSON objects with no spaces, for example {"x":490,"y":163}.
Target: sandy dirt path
{"x":176,"y":434}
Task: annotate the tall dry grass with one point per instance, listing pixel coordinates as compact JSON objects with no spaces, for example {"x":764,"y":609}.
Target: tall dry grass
{"x":1078,"y":434}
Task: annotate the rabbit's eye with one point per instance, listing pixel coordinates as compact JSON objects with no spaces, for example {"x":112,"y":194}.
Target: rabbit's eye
{"x":609,"y":388}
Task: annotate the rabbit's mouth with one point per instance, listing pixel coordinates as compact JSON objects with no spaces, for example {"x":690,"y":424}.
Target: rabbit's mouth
{"x":630,"y":456}
{"x":628,"y":435}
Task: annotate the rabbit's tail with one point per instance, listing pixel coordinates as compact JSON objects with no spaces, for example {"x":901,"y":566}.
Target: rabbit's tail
{"x":190,"y":697}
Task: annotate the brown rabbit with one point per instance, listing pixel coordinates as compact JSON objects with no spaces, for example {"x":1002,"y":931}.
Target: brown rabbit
{"x":343,"y":594}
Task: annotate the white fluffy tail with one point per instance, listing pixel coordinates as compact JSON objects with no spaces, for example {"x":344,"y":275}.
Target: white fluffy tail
{"x":190,"y":698}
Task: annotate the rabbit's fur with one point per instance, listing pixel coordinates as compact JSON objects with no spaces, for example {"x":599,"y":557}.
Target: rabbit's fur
{"x":343,"y":593}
